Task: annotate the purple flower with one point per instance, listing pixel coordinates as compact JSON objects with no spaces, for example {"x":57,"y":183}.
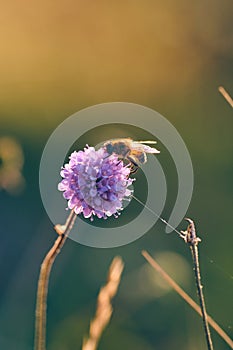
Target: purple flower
{"x":95,"y":183}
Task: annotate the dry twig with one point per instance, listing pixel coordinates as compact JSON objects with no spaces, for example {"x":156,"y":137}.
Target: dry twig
{"x":42,"y":289}
{"x":191,"y":238}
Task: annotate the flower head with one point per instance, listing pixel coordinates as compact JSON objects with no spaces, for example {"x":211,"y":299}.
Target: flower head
{"x":95,"y":183}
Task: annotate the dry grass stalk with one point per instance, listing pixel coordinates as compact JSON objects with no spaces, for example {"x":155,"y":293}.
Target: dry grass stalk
{"x":186,"y":297}
{"x":104,"y":307}
{"x":226,"y":95}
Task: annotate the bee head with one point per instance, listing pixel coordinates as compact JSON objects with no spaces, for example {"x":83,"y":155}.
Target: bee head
{"x":109,"y":148}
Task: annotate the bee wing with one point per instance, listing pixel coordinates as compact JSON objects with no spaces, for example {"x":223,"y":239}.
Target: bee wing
{"x":148,"y":142}
{"x":141,"y":147}
{"x":149,"y":149}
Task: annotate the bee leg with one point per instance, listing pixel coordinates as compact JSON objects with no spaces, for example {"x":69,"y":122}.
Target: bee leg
{"x":133,"y":169}
{"x":107,"y":156}
{"x":133,"y":166}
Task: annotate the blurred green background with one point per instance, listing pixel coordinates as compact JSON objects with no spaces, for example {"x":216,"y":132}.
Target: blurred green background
{"x":59,"y":57}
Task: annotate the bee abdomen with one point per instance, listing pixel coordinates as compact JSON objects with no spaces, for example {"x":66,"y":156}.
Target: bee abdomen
{"x":142,"y":158}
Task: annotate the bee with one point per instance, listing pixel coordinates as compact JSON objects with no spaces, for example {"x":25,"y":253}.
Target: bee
{"x":134,"y":151}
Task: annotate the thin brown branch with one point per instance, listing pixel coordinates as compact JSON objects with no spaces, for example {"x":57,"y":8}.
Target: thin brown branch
{"x":42,"y":289}
{"x":191,"y":238}
{"x":186,"y":297}
{"x":104,"y":306}
{"x":226,"y":95}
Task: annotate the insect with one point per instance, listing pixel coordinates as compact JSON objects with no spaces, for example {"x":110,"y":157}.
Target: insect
{"x":134,"y":151}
